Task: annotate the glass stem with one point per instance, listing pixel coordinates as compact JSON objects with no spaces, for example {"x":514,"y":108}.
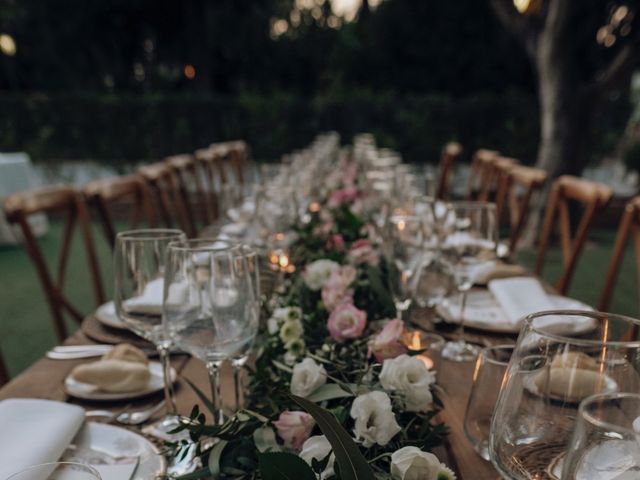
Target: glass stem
{"x":163,"y":352}
{"x":237,"y":382}
{"x":463,"y":303}
{"x":214,"y":377}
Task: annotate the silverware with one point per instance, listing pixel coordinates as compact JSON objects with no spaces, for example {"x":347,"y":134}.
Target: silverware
{"x":126,"y":418}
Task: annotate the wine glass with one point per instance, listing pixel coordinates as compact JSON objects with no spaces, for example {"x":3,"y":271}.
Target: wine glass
{"x":139,"y":268}
{"x":403,"y":252}
{"x":239,"y":359}
{"x":470,"y":243}
{"x":57,"y":470}
{"x":209,"y":306}
{"x":560,"y":358}
{"x":606,"y":439}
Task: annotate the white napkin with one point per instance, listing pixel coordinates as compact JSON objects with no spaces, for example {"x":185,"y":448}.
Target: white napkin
{"x":150,"y":302}
{"x":519,"y":297}
{"x":35,"y":431}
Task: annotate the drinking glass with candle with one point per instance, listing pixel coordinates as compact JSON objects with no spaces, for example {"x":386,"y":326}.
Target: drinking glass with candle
{"x":431,"y":343}
{"x":139,"y":268}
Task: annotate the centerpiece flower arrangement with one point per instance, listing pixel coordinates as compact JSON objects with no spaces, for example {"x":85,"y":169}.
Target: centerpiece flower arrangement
{"x":334,"y":391}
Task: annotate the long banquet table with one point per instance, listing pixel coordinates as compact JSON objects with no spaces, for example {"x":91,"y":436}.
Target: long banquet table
{"x":45,"y":379}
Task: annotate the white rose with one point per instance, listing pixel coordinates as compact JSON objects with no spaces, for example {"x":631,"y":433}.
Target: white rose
{"x":291,"y":330}
{"x":307,"y":377}
{"x":411,"y":378}
{"x":374,"y":419}
{"x":273,"y":326}
{"x":317,"y":273}
{"x":411,"y":463}
{"x":318,"y":447}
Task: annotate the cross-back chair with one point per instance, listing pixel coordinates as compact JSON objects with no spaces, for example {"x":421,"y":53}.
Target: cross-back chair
{"x":122,"y":197}
{"x":517,"y":186}
{"x":494,"y":169}
{"x":187,"y":172}
{"x":479,"y":170}
{"x":210,"y":160}
{"x":451,"y":154}
{"x":66,"y":200}
{"x":592,"y":197}
{"x":238,"y":156}
{"x":166,"y":190}
{"x":629,"y":226}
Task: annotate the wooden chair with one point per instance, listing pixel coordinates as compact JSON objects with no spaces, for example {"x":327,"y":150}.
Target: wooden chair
{"x":187,"y":171}
{"x":629,"y":225}
{"x":451,"y":154}
{"x":493,"y":170}
{"x":592,"y":197}
{"x":517,"y":186}
{"x":166,"y":189}
{"x":479,"y":170}
{"x":67,"y":200}
{"x":128,"y":196}
{"x":210,"y":160}
{"x":238,"y":152}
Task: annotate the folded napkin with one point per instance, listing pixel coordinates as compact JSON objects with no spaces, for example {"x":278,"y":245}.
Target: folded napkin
{"x":35,"y":431}
{"x":150,"y":302}
{"x":519,"y":297}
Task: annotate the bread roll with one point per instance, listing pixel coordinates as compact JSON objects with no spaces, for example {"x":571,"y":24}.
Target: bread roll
{"x":571,"y":384}
{"x":573,"y":360}
{"x":126,"y":353}
{"x":113,"y":375}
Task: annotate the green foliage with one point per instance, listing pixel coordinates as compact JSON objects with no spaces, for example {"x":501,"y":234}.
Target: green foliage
{"x":632,"y":157}
{"x":284,"y":466}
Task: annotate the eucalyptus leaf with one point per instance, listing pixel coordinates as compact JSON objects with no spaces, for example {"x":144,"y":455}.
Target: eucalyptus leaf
{"x":214,"y":458}
{"x":329,"y":391}
{"x":284,"y":466}
{"x":351,"y":462}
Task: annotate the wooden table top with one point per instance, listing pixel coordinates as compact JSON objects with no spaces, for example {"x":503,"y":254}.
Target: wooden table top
{"x":45,"y":378}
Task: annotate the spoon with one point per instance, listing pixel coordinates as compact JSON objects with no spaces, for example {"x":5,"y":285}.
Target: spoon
{"x":126,"y":418}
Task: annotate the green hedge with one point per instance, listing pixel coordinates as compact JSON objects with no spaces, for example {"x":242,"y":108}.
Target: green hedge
{"x":122,"y":128}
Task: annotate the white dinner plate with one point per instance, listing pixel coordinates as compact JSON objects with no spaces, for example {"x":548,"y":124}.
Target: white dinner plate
{"x":483,"y":312}
{"x":106,"y":314}
{"x":91,"y":392}
{"x":100,"y":444}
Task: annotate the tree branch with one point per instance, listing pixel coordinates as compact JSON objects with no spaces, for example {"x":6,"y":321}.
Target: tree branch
{"x":557,"y":18}
{"x":519,"y":25}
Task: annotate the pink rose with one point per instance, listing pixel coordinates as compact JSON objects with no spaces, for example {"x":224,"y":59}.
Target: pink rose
{"x":336,"y":290}
{"x":388,"y":343}
{"x":362,"y":251}
{"x":294,"y":428}
{"x":335,"y":242}
{"x":346,"y":321}
{"x":346,"y":195}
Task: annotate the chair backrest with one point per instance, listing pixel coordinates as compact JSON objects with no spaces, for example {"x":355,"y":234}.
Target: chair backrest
{"x":629,"y":225}
{"x":210,"y":160}
{"x":166,"y":189}
{"x":66,"y":200}
{"x":451,"y":154}
{"x":188,"y":173}
{"x":479,"y":170}
{"x":517,"y":186}
{"x":494,"y":169}
{"x":238,"y":152}
{"x":592,"y":197}
{"x":127,"y":196}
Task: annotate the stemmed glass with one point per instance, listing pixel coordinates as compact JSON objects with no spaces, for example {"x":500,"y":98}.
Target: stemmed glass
{"x":561,"y":357}
{"x":209,"y":306}
{"x":403,"y":254}
{"x":470,"y":247}
{"x":606,"y":439}
{"x":139,"y":269}
{"x":239,"y":359}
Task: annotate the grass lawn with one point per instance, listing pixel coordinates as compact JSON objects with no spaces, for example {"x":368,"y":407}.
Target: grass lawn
{"x":26,"y":329}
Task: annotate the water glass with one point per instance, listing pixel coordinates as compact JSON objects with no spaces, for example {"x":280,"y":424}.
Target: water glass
{"x":605,"y":444}
{"x":57,"y":471}
{"x":561,"y":358}
{"x":491,"y":366}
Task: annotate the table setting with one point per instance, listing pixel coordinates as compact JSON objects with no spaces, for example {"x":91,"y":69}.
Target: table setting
{"x":337,"y":322}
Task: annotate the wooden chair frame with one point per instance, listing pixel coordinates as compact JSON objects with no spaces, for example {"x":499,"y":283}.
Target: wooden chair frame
{"x":479,"y":171}
{"x":451,"y":154}
{"x":187,"y":171}
{"x":18,"y":207}
{"x":629,"y":226}
{"x":210,"y":160}
{"x":165,"y":186}
{"x":592,"y":197}
{"x":517,"y":186}
{"x":101,"y":193}
{"x":494,"y":169}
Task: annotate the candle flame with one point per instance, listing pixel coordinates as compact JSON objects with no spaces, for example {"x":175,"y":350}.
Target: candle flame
{"x":415,"y":341}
